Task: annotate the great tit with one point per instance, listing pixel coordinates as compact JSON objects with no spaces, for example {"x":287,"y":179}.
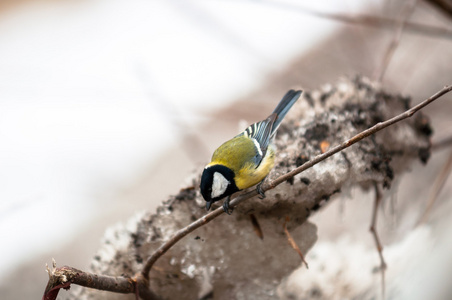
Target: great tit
{"x":246,"y":159}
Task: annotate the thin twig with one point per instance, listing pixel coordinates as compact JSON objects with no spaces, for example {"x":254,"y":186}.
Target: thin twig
{"x":437,"y":187}
{"x":271,"y":185}
{"x":179,"y":235}
{"x":438,"y":145}
{"x":63,"y":277}
{"x":293,"y":244}
{"x":366,"y":20}
{"x":408,"y":10}
{"x":356,"y":138}
{"x":444,"y":6}
{"x":373,"y":230}
{"x":256,"y":226}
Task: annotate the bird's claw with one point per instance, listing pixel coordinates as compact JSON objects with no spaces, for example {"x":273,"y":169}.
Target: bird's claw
{"x":226,"y":207}
{"x":260,"y":191}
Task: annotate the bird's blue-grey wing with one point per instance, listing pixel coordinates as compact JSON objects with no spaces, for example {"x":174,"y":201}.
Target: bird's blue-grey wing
{"x":261,"y":134}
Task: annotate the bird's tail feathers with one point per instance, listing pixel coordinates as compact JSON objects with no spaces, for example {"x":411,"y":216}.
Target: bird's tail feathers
{"x":283,"y":107}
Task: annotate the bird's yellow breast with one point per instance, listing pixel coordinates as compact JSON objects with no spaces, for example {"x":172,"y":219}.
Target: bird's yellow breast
{"x":249,"y":175}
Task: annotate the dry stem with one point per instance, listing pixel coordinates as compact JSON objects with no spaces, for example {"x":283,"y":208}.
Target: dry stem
{"x":65,"y":276}
{"x":437,"y":187}
{"x":409,"y":8}
{"x":368,"y":20}
{"x":373,"y":230}
{"x":272,"y":184}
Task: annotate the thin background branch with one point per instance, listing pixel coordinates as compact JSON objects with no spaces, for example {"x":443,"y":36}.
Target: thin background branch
{"x":404,"y":16}
{"x":445,"y":6}
{"x":444,"y":143}
{"x":436,"y":189}
{"x":366,"y":20}
{"x":374,"y":231}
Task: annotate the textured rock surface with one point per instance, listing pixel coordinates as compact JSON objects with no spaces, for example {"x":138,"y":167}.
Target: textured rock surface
{"x":225,"y":258}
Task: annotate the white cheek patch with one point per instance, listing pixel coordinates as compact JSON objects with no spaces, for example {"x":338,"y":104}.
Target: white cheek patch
{"x":219,"y":186}
{"x":258,"y":147}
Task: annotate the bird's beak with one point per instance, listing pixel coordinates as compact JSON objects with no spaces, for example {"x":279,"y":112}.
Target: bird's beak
{"x":208,"y":204}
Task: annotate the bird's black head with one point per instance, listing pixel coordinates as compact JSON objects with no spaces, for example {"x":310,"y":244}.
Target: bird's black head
{"x":217,"y":182}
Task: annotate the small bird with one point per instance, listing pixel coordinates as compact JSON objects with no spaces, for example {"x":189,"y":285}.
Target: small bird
{"x":246,"y":159}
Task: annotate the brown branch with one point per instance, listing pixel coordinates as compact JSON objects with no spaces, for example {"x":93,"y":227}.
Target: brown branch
{"x":271,"y":185}
{"x":408,"y":10}
{"x":377,"y":127}
{"x":437,"y":187}
{"x":293,"y":244}
{"x":373,"y":230}
{"x":257,"y":228}
{"x":443,"y":6}
{"x":65,"y":276}
{"x":139,"y":284}
{"x":180,"y":234}
{"x":368,"y":20}
{"x":444,"y":143}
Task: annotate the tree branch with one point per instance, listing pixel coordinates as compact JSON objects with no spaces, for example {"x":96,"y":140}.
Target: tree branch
{"x":356,"y":139}
{"x":153,"y":229}
{"x":406,"y":13}
{"x":444,"y":6}
{"x":65,"y":276}
{"x":274,"y":183}
{"x":367,"y":20}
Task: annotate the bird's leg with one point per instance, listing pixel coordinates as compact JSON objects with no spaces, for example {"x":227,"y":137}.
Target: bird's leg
{"x":226,"y":207}
{"x":260,"y":190}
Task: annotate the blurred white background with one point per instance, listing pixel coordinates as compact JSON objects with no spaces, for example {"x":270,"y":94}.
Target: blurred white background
{"x":91,"y":93}
{"x":78,"y":81}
